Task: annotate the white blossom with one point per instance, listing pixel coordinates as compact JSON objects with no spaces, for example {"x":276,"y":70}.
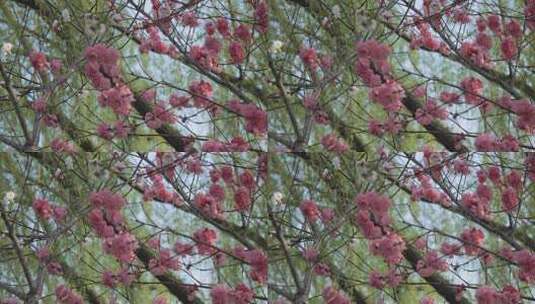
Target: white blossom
{"x":336,"y":11}
{"x":276,"y":46}
{"x":10,"y":196}
{"x":7,"y":47}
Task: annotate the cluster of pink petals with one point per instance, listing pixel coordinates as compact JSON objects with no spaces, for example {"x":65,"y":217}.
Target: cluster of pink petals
{"x":331,"y":142}
{"x":257,"y":260}
{"x":60,"y":145}
{"x":39,"y":61}
{"x":472,"y":239}
{"x":372,"y":214}
{"x":45,"y":210}
{"x":205,"y":239}
{"x":425,"y":39}
{"x":222,"y":294}
{"x":123,"y":276}
{"x":159,"y":116}
{"x":529,"y":13}
{"x":390,"y":247}
{"x":489,"y":295}
{"x":333,"y":296}
{"x":165,"y":261}
{"x":391,"y":278}
{"x":388,"y":94}
{"x":430,"y":264}
{"x":310,"y":103}
{"x":526,"y":263}
{"x":236,"y":144}
{"x":431,"y":110}
{"x":65,"y":295}
{"x":154,"y":42}
{"x":208,"y":205}
{"x":255,"y":118}
{"x":488,"y":142}
{"x":52,"y":267}
{"x":525,"y":110}
{"x":122,"y":246}
{"x":120,"y":129}
{"x":310,"y":210}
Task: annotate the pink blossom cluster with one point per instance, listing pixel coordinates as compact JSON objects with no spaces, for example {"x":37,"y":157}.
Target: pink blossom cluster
{"x":60,"y":145}
{"x":112,"y":279}
{"x":52,"y":267}
{"x":310,"y":103}
{"x":209,"y":205}
{"x":39,"y":61}
{"x":45,"y":210}
{"x":159,"y":300}
{"x":120,"y":129}
{"x":122,"y":246}
{"x":431,"y":110}
{"x":425,"y":39}
{"x":159,"y":116}
{"x":427,"y":300}
{"x":488,"y":142}
{"x":106,"y":220}
{"x":65,"y":295}
{"x":450,"y":249}
{"x":154,"y":43}
{"x":310,"y":210}
{"x":158,"y":191}
{"x":205,"y":239}
{"x":489,"y":295}
{"x":529,"y":13}
{"x":389,"y":246}
{"x":373,"y":68}
{"x":333,"y":296}
{"x":102,"y":68}
{"x":201,"y":91}
{"x":241,"y":294}
{"x":526,"y":263}
{"x":430,"y":264}
{"x":378,"y":280}
{"x":472,"y":239}
{"x":165,"y":261}
{"x":331,"y":142}
{"x":261,"y":16}
{"x":372,"y":214}
{"x":255,"y":118}
{"x":236,"y":144}
{"x":525,"y":110}
{"x":257,"y":260}
{"x":426,"y":191}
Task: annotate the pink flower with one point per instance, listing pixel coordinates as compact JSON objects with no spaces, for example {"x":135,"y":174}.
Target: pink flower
{"x":327,"y":215}
{"x":310,"y":210}
{"x":243,"y":32}
{"x":450,"y":249}
{"x":222,"y":27}
{"x":64,"y":295}
{"x":427,"y":300}
{"x":473,"y":88}
{"x":55,"y":66}
{"x":508,"y":48}
{"x":220,"y":294}
{"x":449,"y":97}
{"x":309,"y":57}
{"x":509,"y":199}
{"x":529,"y":13}
{"x":389,"y":95}
{"x":261,"y":16}
{"x":107,"y":200}
{"x":42,"y":208}
{"x":159,"y":300}
{"x":38,"y":61}
{"x":255,"y":117}
{"x":375,"y":279}
{"x":494,"y":23}
{"x":241,"y":294}
{"x":514,"y":29}
{"x":190,"y":19}
{"x":333,"y":296}
{"x":390,"y":247}
{"x":258,"y":261}
{"x":208,"y":205}
{"x":122,"y":246}
{"x":526,"y":263}
{"x":334,"y":144}
{"x":205,"y":239}
{"x":236,"y":52}
{"x":473,"y":239}
{"x":119,"y":99}
{"x":430,"y":264}
{"x":242,"y":198}
{"x":310,"y":254}
{"x":486,"y":142}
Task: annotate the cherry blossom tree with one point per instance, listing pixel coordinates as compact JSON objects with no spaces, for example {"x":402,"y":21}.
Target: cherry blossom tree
{"x":267,"y":151}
